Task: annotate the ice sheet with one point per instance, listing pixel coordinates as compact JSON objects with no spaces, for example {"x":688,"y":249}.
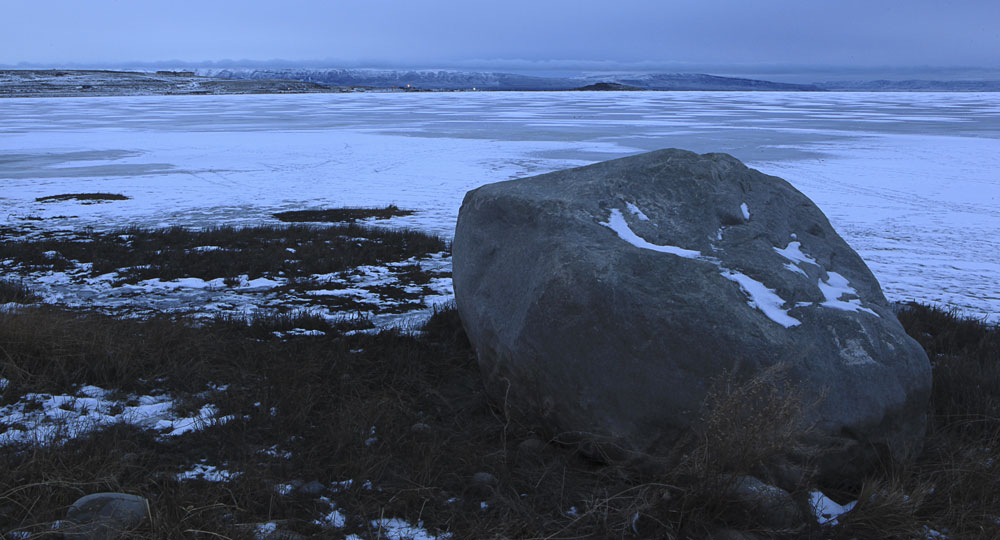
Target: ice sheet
{"x":909,"y":180}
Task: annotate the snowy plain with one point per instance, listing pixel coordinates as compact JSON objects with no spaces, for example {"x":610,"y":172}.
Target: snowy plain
{"x":911,"y":181}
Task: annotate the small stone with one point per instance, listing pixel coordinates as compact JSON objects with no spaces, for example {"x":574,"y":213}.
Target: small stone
{"x":772,"y":505}
{"x":484,"y":479}
{"x":272,"y":530}
{"x":312,"y":488}
{"x":481,"y":486}
{"x":420,"y":428}
{"x":282,"y":534}
{"x":730,"y":534}
{"x":532,"y":446}
{"x":106,"y":516}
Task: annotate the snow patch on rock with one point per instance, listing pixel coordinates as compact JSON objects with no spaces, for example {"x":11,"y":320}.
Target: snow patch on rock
{"x":616,"y":222}
{"x":636,"y":212}
{"x":826,"y":510}
{"x":766,"y":300}
{"x":762,"y":298}
{"x":833,"y":288}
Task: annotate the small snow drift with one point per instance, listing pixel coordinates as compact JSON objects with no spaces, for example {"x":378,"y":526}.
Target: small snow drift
{"x":604,"y":300}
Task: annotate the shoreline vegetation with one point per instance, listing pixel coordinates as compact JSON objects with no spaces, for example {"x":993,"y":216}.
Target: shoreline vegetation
{"x":363,"y":427}
{"x":300,"y":426}
{"x":341,"y":215}
{"x":106,"y":83}
{"x":85,"y":198}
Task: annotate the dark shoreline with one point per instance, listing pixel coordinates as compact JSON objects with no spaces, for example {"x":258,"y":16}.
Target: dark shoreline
{"x":99,"y":83}
{"x":109,"y":83}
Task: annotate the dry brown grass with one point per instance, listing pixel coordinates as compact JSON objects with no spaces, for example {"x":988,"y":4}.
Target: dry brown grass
{"x":953,"y":487}
{"x":16,"y":292}
{"x":318,"y":398}
{"x":342,"y":215}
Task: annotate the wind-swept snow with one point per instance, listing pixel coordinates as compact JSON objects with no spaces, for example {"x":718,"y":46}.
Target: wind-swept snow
{"x":636,"y":212}
{"x":827,"y":511}
{"x":42,"y":418}
{"x":759,"y":296}
{"x":793,"y":252}
{"x":762,"y":298}
{"x":616,"y":222}
{"x":834,"y":287}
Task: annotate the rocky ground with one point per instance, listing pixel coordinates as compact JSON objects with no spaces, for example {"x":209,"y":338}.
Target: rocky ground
{"x":73,"y":83}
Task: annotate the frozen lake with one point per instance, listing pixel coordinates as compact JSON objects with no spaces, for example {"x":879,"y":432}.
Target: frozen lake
{"x":911,"y":181}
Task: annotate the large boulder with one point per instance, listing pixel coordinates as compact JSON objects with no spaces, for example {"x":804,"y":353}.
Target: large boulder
{"x":603,"y":302}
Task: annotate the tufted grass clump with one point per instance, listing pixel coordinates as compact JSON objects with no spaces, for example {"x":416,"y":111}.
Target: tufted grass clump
{"x":16,"y":292}
{"x":390,"y":424}
{"x":953,"y":488}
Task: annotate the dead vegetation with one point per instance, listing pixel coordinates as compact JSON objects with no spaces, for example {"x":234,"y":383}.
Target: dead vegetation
{"x":342,"y":215}
{"x":86,"y":198}
{"x":395,"y":425}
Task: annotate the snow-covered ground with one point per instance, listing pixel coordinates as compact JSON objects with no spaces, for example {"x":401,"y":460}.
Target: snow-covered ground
{"x":910,"y":180}
{"x":45,"y":418}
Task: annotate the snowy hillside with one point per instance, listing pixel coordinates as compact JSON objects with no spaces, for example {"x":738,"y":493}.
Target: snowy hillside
{"x":467,"y":80}
{"x":74,"y":83}
{"x":696,"y":81}
{"x":424,"y":79}
{"x":912,"y":85}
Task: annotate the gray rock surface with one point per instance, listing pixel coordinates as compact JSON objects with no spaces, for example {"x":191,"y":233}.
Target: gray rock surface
{"x":106,"y":516}
{"x":531,"y":446}
{"x":420,"y":428}
{"x":773,"y":506}
{"x":604,"y":300}
{"x":481,"y":486}
{"x":313,"y":487}
{"x":485,"y":478}
{"x":731,"y":534}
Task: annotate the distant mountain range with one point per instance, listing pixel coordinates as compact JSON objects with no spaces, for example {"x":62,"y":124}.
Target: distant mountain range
{"x":57,"y":82}
{"x":468,"y":80}
{"x":911,"y":86}
{"x":479,"y":80}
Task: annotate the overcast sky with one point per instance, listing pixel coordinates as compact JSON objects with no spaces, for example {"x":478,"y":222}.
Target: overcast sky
{"x":508,"y":34}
